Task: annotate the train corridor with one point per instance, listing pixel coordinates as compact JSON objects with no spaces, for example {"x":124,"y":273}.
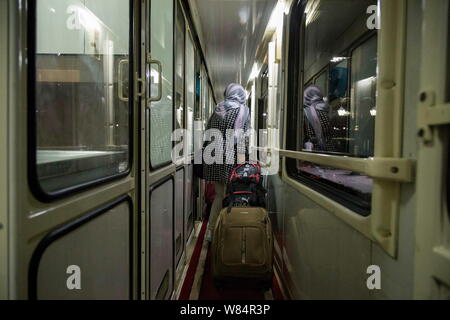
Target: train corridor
{"x":108,"y":108}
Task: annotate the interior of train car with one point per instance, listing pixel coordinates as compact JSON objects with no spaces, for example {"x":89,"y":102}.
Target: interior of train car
{"x":105,"y":103}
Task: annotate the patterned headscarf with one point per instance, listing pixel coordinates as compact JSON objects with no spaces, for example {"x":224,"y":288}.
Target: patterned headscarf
{"x":235,"y":97}
{"x":313,"y":96}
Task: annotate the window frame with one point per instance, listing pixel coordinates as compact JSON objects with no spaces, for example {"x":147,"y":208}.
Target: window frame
{"x":33,"y":179}
{"x":343,"y":196}
{"x":389,"y":168}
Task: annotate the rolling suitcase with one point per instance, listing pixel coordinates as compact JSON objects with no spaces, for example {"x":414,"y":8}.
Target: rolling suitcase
{"x":242,"y":248}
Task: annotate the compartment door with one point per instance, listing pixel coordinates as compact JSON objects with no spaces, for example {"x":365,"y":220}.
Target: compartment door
{"x":78,"y":222}
{"x":179,"y":215}
{"x":158,"y":171}
{"x":161,"y":240}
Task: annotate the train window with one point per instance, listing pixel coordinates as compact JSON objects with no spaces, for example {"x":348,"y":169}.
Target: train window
{"x":161,"y":112}
{"x":78,"y":93}
{"x":206,"y":107}
{"x":336,"y":115}
{"x":179,"y":71}
{"x":322,"y":82}
{"x":263,"y":102}
{"x":190,"y":87}
{"x":363,"y":99}
{"x":198,"y":86}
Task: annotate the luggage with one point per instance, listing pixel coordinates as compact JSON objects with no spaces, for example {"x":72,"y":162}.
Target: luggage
{"x":246,"y":173}
{"x":245,"y":187}
{"x":242,"y":195}
{"x":242,"y":248}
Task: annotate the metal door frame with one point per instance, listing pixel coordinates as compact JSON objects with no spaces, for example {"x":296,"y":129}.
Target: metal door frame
{"x":150,"y":177}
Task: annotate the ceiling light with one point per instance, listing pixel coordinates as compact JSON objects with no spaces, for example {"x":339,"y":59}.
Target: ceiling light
{"x":276,"y":18}
{"x":338,"y":59}
{"x":255,"y":72}
{"x":342,"y":112}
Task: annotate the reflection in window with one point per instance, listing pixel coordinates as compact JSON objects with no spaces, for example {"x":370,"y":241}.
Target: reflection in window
{"x":322,"y":82}
{"x":339,"y":104}
{"x":363,"y":99}
{"x":82,"y":130}
{"x":339,"y":95}
{"x":357,"y":187}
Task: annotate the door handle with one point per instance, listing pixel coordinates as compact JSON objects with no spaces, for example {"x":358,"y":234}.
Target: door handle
{"x":151,"y":61}
{"x":120,"y":80}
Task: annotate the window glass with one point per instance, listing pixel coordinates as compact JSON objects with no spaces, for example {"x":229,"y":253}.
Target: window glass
{"x":179,"y":69}
{"x":179,"y":73}
{"x":209,"y":106}
{"x":448,"y":56}
{"x":81,"y":91}
{"x":198,"y":86}
{"x":327,"y":179}
{"x":204,"y":96}
{"x":263,"y":104}
{"x":161,"y":112}
{"x":190,"y":87}
{"x":322,"y":82}
{"x":363,"y":99}
{"x":338,"y":97}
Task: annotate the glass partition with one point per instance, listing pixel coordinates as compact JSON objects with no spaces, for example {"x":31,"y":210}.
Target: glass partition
{"x":190,"y":86}
{"x":161,"y":112}
{"x":80,"y":72}
{"x":179,"y":71}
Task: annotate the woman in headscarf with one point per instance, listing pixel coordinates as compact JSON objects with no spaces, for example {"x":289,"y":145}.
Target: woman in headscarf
{"x":231,"y":114}
{"x":318,"y":130}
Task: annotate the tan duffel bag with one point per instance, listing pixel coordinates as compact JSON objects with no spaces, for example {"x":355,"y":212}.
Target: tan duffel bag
{"x":242,"y":248}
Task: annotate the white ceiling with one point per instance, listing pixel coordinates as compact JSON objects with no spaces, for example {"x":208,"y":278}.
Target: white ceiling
{"x":230,"y":32}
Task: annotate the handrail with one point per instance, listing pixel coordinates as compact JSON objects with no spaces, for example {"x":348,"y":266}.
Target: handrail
{"x":394,"y":169}
{"x":151,"y":61}
{"x":120,"y":80}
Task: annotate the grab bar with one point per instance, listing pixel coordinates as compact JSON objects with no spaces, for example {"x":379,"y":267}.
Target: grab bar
{"x":151,"y":61}
{"x":120,"y":80}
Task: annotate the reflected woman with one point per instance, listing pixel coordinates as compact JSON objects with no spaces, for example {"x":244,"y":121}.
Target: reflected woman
{"x":318,"y":130}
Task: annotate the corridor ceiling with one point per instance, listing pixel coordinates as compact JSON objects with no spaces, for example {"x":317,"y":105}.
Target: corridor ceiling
{"x":230,"y":32}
